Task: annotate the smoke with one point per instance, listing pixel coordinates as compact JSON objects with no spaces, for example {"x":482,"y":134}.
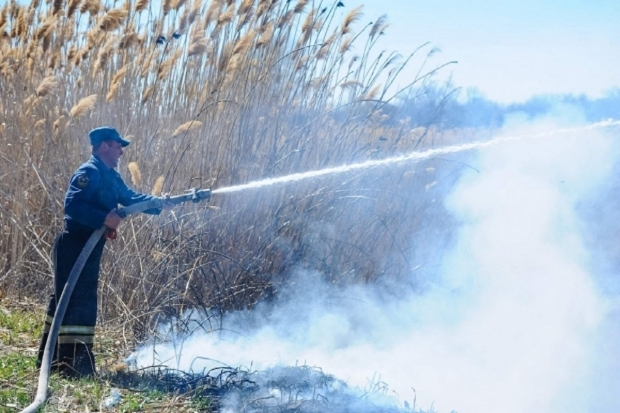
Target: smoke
{"x":516,"y":322}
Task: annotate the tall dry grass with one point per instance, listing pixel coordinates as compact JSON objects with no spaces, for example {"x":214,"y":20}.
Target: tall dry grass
{"x":211,"y":93}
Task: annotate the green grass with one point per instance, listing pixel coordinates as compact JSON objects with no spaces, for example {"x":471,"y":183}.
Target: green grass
{"x":20,"y":329}
{"x":17,"y":325}
{"x":15,"y":382}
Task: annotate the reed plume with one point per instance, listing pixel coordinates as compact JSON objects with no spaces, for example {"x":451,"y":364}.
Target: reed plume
{"x":265,"y":38}
{"x":146,"y":65}
{"x":46,"y":86}
{"x":245,"y":6}
{"x":183,"y":22}
{"x":128,"y":40}
{"x":346,"y":45}
{"x":285,"y":18}
{"x":71,"y":53}
{"x":379,"y":26}
{"x":136,"y":174}
{"x":350,"y":18}
{"x":57,"y":6}
{"x":83,"y":106}
{"x":90,"y":6}
{"x":245,"y":19}
{"x":3,"y":13}
{"x":166,"y":7}
{"x":299,"y":8}
{"x":166,"y":67}
{"x":244,"y":43}
{"x":22,"y":24}
{"x":372,"y":93}
{"x":323,"y":51}
{"x":158,"y":186}
{"x":177,"y":4}
{"x":262,"y":8}
{"x":53,"y":60}
{"x":351,"y":84}
{"x":141,"y":5}
{"x":187,"y":127}
{"x":56,"y":125}
{"x":194,"y":12}
{"x":104,"y":54}
{"x":198,"y":45}
{"x":213,"y":12}
{"x":69,"y":28}
{"x":80,"y":56}
{"x":112,"y":20}
{"x":227,"y":16}
{"x":72,"y":7}
{"x":306,"y":27}
{"x":146,"y":94}
{"x":28,"y":102}
{"x":116,"y":82}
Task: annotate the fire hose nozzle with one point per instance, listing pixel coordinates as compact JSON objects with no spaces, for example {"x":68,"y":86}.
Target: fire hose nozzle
{"x":197,"y":195}
{"x":194,"y":195}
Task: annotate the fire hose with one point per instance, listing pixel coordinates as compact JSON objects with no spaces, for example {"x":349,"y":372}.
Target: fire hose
{"x":195,"y":195}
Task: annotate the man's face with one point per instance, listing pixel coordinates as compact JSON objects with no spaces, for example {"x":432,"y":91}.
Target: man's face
{"x":110,"y":152}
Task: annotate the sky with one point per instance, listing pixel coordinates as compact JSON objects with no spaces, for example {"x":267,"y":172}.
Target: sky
{"x":507,"y":49}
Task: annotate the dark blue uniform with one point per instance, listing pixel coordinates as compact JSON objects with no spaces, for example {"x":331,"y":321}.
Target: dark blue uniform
{"x":94,"y":191}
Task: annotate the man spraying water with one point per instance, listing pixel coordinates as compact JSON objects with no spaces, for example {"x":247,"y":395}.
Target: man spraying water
{"x":95,"y":191}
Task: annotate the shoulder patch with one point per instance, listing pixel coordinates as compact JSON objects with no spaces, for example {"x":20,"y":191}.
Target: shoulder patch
{"x":82,"y":181}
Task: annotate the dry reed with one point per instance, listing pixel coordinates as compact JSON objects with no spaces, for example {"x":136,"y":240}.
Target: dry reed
{"x":47,"y":85}
{"x":198,"y":45}
{"x":83,"y":106}
{"x":271,"y":109}
{"x":116,"y":82}
{"x":245,"y":6}
{"x":141,"y":5}
{"x":227,"y":16}
{"x":158,"y":186}
{"x":299,"y":7}
{"x":112,"y":19}
{"x":350,"y":18}
{"x":187,"y":127}
{"x":244,"y":43}
{"x":136,"y":175}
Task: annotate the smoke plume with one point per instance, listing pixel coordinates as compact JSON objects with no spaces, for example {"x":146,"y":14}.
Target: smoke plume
{"x":518,"y":320}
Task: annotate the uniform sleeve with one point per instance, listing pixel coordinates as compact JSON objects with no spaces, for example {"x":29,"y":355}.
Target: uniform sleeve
{"x":80,"y":203}
{"x":128,"y":196}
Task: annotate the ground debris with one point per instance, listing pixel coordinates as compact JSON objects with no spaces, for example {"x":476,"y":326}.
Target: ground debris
{"x":298,"y":389}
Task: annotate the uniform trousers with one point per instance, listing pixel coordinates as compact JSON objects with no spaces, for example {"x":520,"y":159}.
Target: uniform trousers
{"x":73,"y":353}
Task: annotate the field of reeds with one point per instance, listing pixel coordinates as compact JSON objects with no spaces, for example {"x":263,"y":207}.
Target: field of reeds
{"x":211,"y":93}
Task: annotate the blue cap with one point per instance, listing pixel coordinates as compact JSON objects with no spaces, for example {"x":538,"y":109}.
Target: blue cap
{"x":104,"y":133}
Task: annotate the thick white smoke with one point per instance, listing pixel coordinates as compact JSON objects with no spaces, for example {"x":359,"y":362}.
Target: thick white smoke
{"x":517,"y":322}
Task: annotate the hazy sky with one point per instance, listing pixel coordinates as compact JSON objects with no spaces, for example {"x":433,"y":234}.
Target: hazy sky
{"x":511,"y":49}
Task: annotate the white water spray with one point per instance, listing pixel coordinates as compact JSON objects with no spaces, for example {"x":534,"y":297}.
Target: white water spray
{"x":516,"y":323}
{"x":410,"y":157}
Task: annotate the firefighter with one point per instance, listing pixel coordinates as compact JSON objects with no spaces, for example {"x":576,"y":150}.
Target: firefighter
{"x":95,"y":191}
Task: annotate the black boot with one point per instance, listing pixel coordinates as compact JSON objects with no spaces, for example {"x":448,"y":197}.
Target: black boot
{"x":76,"y":360}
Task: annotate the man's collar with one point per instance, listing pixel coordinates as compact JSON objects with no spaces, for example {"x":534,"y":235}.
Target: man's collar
{"x":97,"y":161}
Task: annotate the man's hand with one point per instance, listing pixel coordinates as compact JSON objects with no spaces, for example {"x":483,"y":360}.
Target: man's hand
{"x":110,"y":234}
{"x":112,"y":220}
{"x":165,"y":202}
